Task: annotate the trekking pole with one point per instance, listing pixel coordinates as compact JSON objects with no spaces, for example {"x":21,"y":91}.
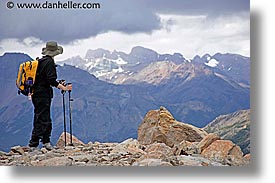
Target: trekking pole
{"x":63,"y":82}
{"x":70,"y":111}
{"x":63,"y":93}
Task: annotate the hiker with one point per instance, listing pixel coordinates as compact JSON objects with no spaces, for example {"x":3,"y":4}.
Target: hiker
{"x":43,"y":93}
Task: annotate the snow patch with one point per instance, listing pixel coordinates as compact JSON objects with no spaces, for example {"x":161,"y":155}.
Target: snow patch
{"x":119,"y":70}
{"x":88,"y":64}
{"x":120,"y":61}
{"x":212,"y":63}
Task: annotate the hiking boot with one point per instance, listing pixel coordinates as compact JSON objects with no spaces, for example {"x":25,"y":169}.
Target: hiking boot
{"x":33,"y":143}
{"x":33,"y":149}
{"x":48,"y":146}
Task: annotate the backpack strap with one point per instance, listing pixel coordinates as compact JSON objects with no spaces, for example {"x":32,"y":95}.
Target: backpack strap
{"x":39,"y":62}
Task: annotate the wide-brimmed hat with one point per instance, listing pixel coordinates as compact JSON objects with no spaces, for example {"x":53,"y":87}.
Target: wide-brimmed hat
{"x":52,"y":49}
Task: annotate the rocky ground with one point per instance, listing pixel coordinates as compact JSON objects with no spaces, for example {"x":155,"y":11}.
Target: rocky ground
{"x":162,"y":141}
{"x":127,"y":153}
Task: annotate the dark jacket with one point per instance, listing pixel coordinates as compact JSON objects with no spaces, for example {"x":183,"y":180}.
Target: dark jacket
{"x":45,"y":78}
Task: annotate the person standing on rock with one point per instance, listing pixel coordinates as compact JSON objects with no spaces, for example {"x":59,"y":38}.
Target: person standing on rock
{"x":43,"y":93}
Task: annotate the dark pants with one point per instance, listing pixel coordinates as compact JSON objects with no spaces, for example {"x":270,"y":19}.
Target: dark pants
{"x":42,"y":123}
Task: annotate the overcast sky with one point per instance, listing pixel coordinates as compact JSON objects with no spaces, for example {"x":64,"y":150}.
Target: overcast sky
{"x":190,"y":27}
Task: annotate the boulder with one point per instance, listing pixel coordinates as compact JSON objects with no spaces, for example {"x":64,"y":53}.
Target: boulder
{"x":61,"y":141}
{"x":206,"y":141}
{"x":18,"y":149}
{"x":235,"y":157}
{"x":247,"y":157}
{"x":157,"y":151}
{"x":193,"y":161}
{"x":152,"y":162}
{"x":120,"y":149}
{"x":2,"y":153}
{"x":160,"y":126}
{"x":185,"y":148}
{"x":56,"y":161}
{"x":130,"y":143}
{"x":128,"y":146}
{"x":225,"y":152}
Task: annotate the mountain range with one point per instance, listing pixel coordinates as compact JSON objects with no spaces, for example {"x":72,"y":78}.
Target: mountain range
{"x":112,"y":92}
{"x":119,"y":67}
{"x":115,"y":66}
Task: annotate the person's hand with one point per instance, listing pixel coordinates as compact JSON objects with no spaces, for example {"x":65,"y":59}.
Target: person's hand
{"x":65,"y":88}
{"x":69,"y":87}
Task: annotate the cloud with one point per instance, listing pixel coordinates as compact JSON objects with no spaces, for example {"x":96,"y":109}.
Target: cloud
{"x":193,"y":35}
{"x":129,"y":17}
{"x":185,"y":34}
{"x":198,"y":7}
{"x":68,"y":25}
{"x":31,"y":46}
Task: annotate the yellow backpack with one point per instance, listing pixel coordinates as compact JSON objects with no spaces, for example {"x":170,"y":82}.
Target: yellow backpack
{"x":26,"y":77}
